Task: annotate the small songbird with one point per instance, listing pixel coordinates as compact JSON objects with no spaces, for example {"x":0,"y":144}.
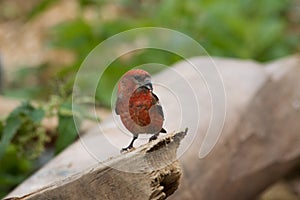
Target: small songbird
{"x":138,"y":106}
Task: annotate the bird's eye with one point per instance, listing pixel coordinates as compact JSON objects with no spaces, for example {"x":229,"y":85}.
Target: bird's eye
{"x":137,"y":77}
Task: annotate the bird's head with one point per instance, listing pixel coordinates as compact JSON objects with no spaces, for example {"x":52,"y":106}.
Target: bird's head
{"x":133,"y":80}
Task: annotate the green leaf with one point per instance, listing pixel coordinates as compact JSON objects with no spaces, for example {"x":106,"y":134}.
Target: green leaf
{"x":37,"y":115}
{"x":1,"y":128}
{"x":24,"y":120}
{"x":76,"y":35}
{"x":13,"y":170}
{"x":12,"y":125}
{"x":67,"y":131}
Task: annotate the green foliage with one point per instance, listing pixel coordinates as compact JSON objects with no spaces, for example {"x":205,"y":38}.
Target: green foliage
{"x":25,"y":122}
{"x":23,"y":138}
{"x":23,"y":127}
{"x":13,"y":169}
{"x":248,"y":29}
{"x":66,"y":129}
{"x":233,"y":28}
{"x":67,"y":114}
{"x":28,"y":83}
{"x":68,"y":35}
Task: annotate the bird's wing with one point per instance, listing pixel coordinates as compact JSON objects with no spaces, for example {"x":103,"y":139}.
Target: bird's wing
{"x":157,"y":105}
{"x":160,"y":111}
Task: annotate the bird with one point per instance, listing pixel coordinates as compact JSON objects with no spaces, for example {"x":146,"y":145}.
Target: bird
{"x":138,"y":107}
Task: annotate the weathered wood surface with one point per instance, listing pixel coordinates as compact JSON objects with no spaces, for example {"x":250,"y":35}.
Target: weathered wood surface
{"x":259,"y":143}
{"x":157,"y":178}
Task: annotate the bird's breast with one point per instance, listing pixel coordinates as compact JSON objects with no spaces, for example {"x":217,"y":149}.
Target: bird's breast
{"x":139,"y":106}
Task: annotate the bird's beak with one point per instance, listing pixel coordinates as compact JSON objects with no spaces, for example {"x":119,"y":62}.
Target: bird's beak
{"x":149,"y":86}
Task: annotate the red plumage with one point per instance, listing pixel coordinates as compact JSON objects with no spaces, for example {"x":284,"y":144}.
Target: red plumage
{"x":138,"y":106}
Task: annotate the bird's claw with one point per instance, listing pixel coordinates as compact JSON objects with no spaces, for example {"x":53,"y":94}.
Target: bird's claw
{"x":127,"y":149}
{"x":153,"y":137}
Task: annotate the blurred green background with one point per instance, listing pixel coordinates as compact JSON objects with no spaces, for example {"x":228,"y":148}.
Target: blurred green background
{"x":262,"y":30}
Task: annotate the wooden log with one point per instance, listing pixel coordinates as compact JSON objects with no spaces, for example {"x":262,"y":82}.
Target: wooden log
{"x":258,"y":148}
{"x":157,"y":178}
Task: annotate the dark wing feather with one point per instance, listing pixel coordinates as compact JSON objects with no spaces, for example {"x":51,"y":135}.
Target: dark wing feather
{"x":157,"y":105}
{"x":160,"y":111}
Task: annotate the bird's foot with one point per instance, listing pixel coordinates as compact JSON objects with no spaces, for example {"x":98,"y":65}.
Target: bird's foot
{"x":127,"y":149}
{"x":163,"y":130}
{"x":153,"y":137}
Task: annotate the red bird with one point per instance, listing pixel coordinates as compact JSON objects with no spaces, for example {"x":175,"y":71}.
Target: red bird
{"x":138,"y":106}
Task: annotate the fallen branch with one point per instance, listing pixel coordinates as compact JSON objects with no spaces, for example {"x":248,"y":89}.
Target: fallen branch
{"x":157,"y":178}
